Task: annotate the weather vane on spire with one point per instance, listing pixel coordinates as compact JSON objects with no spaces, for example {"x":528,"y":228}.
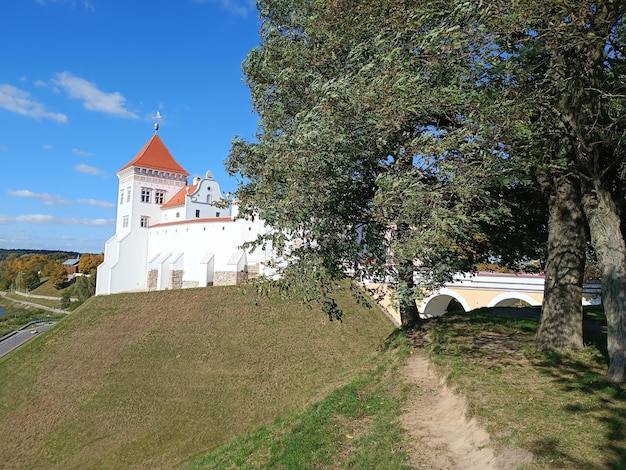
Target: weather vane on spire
{"x":156,"y":117}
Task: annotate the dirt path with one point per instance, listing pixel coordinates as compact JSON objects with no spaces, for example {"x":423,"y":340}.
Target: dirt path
{"x":443,"y":437}
{"x":31,"y":304}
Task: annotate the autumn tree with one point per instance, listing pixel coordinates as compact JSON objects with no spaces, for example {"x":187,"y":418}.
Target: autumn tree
{"x":55,"y":273}
{"x":88,"y":263}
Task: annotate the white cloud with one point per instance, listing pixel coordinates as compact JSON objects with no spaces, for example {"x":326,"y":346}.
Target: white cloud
{"x":94,"y":202}
{"x":237,"y":7}
{"x":90,"y":170}
{"x":88,"y":4}
{"x":93,"y":99}
{"x":48,"y":199}
{"x":19,"y":101}
{"x":82,"y":153}
{"x":43,"y":219}
{"x":47,"y":147}
{"x":54,"y":200}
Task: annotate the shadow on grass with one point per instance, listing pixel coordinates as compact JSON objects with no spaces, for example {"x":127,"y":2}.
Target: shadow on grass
{"x":579,"y":377}
{"x":606,"y":402}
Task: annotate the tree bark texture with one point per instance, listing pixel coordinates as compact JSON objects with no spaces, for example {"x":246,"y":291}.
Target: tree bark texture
{"x":409,"y":314}
{"x":562,"y":314}
{"x":606,"y":237}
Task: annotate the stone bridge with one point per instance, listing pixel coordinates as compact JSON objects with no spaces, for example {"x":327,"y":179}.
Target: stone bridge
{"x":485,"y":289}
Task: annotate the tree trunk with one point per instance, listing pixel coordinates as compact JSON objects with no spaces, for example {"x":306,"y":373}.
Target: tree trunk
{"x":608,"y":242}
{"x":562,"y":313}
{"x":408,"y":309}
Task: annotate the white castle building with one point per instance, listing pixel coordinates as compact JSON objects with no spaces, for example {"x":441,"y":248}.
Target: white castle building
{"x":170,"y":235}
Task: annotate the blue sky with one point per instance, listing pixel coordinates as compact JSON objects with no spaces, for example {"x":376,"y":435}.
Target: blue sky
{"x":80,"y":82}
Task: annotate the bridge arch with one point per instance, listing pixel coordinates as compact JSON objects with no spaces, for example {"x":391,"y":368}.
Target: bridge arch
{"x":437,"y":304}
{"x":509,"y":299}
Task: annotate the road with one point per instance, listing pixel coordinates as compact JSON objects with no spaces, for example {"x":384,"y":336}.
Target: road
{"x":22,"y":336}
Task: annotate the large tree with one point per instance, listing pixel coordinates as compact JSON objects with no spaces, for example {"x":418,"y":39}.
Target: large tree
{"x":566,"y":63}
{"x":373,"y":151}
{"x":406,"y":134}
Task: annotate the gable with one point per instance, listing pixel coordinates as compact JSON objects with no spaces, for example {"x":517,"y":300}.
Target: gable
{"x":155,"y":155}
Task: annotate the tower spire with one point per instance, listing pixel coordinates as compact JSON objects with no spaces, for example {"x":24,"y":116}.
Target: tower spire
{"x":156,"y":117}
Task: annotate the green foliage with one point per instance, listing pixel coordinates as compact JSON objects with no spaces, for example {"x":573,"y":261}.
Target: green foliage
{"x":66,"y":299}
{"x":8,"y":254}
{"x":16,"y":316}
{"x":84,"y":287}
{"x":376,"y":142}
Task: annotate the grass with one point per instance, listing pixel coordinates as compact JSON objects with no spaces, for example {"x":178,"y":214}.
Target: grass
{"x":35,"y":300}
{"x":155,"y":380}
{"x":48,"y":288}
{"x":558,"y":406}
{"x":355,"y":426}
{"x":208,"y":378}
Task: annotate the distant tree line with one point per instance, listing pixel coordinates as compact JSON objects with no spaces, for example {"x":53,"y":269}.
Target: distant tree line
{"x":26,"y":271}
{"x":6,"y":254}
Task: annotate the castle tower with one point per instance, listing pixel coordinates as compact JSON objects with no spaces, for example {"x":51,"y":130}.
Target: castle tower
{"x":146,"y":183}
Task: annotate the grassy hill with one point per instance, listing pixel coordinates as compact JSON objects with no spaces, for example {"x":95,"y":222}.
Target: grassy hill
{"x":48,"y":288}
{"x":155,"y":380}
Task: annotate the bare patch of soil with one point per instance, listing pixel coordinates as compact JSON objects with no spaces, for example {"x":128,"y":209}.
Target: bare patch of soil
{"x":504,"y":344}
{"x":442,"y":437}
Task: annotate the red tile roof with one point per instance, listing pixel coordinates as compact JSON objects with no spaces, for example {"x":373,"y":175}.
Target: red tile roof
{"x":179,"y":198}
{"x":156,"y":156}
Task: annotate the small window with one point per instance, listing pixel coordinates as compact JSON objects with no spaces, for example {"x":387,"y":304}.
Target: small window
{"x":122,"y":196}
{"x":128,"y":194}
{"x":144,"y":221}
{"x":145,"y":194}
{"x":125,"y":221}
{"x":197,"y":213}
{"x":177,"y":215}
{"x":217,"y":214}
{"x":159,"y":197}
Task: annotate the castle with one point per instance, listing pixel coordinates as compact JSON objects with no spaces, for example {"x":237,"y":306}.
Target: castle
{"x":170,"y":234}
